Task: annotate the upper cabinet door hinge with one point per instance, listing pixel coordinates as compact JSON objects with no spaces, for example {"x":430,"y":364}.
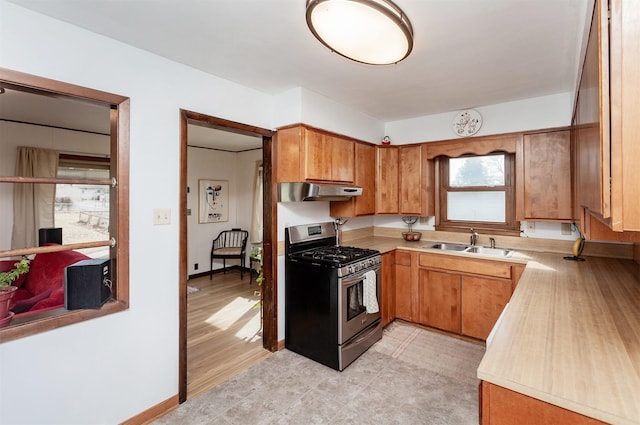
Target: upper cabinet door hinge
{"x":114,"y":182}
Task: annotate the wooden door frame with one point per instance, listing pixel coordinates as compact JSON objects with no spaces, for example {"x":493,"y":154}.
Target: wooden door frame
{"x":269,"y":289}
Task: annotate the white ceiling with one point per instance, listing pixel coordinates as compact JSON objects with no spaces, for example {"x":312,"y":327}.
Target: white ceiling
{"x":467,"y":53}
{"x":222,"y":140}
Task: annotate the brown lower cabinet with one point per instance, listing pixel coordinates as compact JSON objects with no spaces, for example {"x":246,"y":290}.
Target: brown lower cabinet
{"x":483,"y":299}
{"x":439,"y":298}
{"x":404,"y":285}
{"x":388,"y":289}
{"x":500,"y":406}
{"x":453,"y":293}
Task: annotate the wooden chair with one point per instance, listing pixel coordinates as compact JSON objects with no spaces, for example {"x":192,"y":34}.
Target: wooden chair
{"x":230,"y":244}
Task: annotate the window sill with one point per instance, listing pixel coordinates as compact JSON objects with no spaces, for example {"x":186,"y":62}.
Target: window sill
{"x":52,"y":319}
{"x":479,"y":229}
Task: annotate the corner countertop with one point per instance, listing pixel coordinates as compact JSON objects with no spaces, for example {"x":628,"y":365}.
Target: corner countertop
{"x":570,"y":335}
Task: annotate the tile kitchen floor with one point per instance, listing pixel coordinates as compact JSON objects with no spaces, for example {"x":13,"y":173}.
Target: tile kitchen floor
{"x":287,"y":388}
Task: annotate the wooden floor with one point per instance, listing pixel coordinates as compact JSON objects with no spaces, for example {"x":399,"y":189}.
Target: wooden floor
{"x":224,"y":335}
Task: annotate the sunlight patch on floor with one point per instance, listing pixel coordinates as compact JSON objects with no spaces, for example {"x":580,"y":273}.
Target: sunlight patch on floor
{"x":251,"y":331}
{"x":231,"y":313}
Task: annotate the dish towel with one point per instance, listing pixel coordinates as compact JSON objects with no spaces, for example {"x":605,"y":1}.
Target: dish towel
{"x":370,"y":293}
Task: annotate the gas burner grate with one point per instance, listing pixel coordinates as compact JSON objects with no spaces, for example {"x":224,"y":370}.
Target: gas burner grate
{"x":338,"y":255}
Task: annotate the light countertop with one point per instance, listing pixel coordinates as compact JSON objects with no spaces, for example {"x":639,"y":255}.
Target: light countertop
{"x":570,"y":335}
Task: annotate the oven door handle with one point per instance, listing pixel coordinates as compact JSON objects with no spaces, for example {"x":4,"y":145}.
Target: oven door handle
{"x":348,"y":280}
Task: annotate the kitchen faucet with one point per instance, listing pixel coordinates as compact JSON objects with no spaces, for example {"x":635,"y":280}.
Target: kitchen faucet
{"x":474,"y":237}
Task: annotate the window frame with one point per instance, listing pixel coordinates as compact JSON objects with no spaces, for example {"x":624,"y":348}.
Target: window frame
{"x":84,"y":162}
{"x":510,"y":227}
{"x":118,"y":213}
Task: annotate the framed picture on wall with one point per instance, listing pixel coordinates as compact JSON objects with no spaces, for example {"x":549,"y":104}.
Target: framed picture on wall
{"x":213,"y":201}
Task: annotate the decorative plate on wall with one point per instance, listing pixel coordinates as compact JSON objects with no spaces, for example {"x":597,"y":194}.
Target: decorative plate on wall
{"x":467,"y":122}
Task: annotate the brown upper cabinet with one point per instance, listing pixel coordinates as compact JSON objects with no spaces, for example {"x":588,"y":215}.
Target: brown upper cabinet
{"x":412,"y":180}
{"x":605,"y":123}
{"x":365,"y":170}
{"x":546,"y":174}
{"x":387,"y":180}
{"x":404,"y":181}
{"x":309,"y":154}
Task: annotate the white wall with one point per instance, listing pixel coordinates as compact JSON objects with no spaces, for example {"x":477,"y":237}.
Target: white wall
{"x":238,"y":170}
{"x":300,"y":105}
{"x":527,"y":114}
{"x":109,"y":369}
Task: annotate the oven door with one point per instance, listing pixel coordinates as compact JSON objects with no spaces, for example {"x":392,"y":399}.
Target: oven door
{"x":352,"y":313}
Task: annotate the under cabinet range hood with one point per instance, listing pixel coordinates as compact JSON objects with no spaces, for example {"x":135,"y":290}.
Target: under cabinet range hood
{"x":303,"y":191}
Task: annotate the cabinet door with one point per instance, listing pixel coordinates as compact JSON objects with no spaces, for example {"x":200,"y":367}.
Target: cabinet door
{"x":365,"y":165}
{"x":316,"y":156}
{"x":387,"y":180}
{"x":342,"y":160}
{"x":483,"y":300}
{"x":547,"y":176}
{"x":439,"y":300}
{"x":365,"y":169}
{"x":327,"y":158}
{"x":388,"y":305}
{"x":287,"y":156}
{"x":410,"y":171}
{"x":592,"y":120}
{"x":606,"y":124}
{"x":404,"y":286}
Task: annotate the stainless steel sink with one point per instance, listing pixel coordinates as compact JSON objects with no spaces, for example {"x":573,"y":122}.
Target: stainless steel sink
{"x":493,"y":252}
{"x":447,"y":246}
{"x":476,"y":249}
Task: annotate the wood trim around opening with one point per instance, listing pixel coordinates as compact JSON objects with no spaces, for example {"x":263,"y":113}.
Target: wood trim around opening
{"x":119,"y":210}
{"x":270,"y":325}
{"x":510,"y":227}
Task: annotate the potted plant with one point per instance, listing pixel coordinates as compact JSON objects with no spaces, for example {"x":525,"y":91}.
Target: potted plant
{"x":7,"y":291}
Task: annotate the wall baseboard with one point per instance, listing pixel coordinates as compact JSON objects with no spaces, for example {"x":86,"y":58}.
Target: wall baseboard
{"x":153,"y":412}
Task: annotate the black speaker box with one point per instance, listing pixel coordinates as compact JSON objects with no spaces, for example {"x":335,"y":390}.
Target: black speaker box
{"x":50,"y":235}
{"x":87,"y":284}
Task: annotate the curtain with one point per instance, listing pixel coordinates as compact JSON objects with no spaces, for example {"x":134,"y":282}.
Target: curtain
{"x":256,"y":219}
{"x":33,"y":204}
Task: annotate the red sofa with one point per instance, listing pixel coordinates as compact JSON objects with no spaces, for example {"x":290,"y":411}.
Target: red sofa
{"x":42,"y":288}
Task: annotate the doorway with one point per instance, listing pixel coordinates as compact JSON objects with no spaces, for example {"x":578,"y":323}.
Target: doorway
{"x":269,"y":335}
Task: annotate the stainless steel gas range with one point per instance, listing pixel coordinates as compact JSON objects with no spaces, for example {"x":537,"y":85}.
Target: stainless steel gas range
{"x":332,"y":294}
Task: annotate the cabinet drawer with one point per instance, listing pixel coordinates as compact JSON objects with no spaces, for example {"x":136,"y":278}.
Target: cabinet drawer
{"x":403,"y":258}
{"x":466,"y":265}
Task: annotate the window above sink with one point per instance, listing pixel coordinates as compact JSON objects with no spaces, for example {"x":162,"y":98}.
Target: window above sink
{"x":477,"y":191}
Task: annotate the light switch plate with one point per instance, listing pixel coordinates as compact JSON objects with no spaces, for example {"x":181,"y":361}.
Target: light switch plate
{"x":161,"y":216}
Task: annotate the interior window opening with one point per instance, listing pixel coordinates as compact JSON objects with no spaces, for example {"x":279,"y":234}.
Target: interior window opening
{"x":68,"y":212}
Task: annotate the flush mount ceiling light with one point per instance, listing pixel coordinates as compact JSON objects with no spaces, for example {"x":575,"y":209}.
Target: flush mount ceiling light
{"x":374,"y":32}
